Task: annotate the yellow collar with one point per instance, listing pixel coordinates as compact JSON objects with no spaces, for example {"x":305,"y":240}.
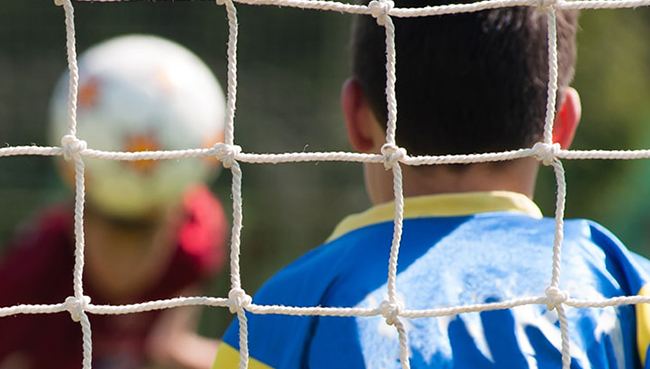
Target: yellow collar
{"x":443,"y":205}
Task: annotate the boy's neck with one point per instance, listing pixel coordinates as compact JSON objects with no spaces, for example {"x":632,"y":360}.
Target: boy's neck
{"x":515,"y":176}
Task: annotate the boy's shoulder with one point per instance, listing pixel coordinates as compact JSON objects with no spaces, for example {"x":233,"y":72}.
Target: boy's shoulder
{"x":355,"y":257}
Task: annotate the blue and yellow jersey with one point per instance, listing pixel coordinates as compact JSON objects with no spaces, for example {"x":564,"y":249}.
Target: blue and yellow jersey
{"x":456,"y":249}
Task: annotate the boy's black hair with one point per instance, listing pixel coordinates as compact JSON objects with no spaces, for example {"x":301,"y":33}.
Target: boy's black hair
{"x":467,"y":83}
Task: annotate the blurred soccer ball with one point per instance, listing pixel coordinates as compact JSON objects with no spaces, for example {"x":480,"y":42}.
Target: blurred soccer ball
{"x":140,"y":93}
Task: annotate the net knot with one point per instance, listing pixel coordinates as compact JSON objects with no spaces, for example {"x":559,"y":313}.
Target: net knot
{"x":76,"y":306}
{"x":545,"y":5}
{"x":58,"y":2}
{"x":221,"y":2}
{"x":238,"y":300}
{"x":555,"y":297}
{"x":227,"y":154}
{"x":379,"y":9}
{"x":390,"y":311}
{"x":546,"y":153}
{"x":392,"y":155}
{"x":72,"y":146}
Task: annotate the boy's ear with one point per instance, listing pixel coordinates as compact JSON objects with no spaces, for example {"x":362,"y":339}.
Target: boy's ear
{"x":567,"y":118}
{"x":363,"y":129}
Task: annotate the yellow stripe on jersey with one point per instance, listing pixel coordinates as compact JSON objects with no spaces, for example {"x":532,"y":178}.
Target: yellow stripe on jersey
{"x":228,"y":358}
{"x":643,"y":325}
{"x":441,"y":205}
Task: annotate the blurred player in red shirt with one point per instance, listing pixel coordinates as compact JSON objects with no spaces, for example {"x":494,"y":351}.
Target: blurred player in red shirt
{"x":152,"y":228}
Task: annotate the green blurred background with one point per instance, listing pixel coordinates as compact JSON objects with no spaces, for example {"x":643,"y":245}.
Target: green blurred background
{"x":291,"y":66}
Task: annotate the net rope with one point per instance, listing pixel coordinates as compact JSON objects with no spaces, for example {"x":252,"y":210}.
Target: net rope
{"x":392,"y":156}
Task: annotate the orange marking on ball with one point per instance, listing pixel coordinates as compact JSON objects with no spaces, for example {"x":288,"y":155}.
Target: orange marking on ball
{"x":142,"y":142}
{"x":88,"y":93}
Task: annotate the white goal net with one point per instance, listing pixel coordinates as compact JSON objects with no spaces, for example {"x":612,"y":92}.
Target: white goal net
{"x":393,"y":157}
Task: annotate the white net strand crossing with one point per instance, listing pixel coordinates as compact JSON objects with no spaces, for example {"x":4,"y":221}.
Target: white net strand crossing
{"x":392,"y":156}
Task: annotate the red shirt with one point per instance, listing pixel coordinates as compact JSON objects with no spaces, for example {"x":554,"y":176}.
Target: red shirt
{"x":39,"y":268}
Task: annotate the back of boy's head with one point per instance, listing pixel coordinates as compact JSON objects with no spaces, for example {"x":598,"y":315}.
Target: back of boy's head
{"x":467,"y":83}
